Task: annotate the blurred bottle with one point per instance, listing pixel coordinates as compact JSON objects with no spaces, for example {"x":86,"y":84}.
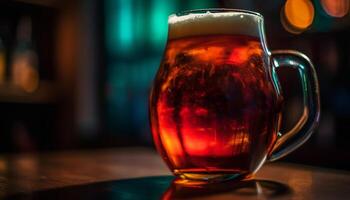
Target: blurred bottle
{"x":24,"y":69}
{"x":2,"y":62}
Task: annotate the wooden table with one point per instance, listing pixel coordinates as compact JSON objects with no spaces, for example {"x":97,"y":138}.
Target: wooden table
{"x":139,"y":173}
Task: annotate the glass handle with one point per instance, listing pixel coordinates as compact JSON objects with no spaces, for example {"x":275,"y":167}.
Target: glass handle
{"x":307,"y":123}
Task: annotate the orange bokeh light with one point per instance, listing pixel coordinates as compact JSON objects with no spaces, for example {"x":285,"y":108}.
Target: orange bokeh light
{"x":336,"y":8}
{"x":24,"y":73}
{"x":299,"y":13}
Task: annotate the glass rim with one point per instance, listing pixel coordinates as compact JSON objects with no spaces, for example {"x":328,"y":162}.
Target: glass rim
{"x":216,"y":10}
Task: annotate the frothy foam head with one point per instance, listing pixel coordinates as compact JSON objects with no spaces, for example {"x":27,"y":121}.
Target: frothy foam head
{"x":210,"y":23}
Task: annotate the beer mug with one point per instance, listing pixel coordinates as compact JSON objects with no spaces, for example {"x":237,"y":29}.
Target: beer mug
{"x":215,"y":105}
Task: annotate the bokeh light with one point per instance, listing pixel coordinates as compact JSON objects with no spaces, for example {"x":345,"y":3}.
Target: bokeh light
{"x":297,"y":15}
{"x":24,"y":73}
{"x":336,"y":8}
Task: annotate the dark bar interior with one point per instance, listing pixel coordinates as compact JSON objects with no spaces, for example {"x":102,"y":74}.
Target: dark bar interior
{"x":75,"y":80}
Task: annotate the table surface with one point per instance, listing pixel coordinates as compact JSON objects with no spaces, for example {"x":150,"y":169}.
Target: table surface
{"x":139,"y":173}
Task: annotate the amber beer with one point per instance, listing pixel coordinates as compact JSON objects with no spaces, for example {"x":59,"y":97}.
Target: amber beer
{"x":210,"y":90}
{"x":213,"y":107}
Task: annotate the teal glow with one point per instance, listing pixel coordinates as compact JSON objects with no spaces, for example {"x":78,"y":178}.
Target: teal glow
{"x":125,"y":31}
{"x":160,"y":11}
{"x":111,"y":21}
{"x":201,"y":4}
{"x":132,"y":75}
{"x":140,"y":20}
{"x":140,"y":188}
{"x":127,"y":96}
{"x":322,"y":22}
{"x":119,"y":29}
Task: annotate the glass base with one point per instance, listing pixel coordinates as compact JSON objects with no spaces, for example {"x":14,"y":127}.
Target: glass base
{"x":203,"y":178}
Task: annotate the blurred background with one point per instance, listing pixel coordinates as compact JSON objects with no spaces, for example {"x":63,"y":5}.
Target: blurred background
{"x":76,"y":74}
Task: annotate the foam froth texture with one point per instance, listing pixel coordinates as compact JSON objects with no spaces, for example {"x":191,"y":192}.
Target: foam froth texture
{"x":211,"y":23}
